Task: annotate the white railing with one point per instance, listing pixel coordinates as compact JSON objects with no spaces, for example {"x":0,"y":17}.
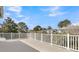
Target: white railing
{"x":63,"y":40}
{"x":10,"y":36}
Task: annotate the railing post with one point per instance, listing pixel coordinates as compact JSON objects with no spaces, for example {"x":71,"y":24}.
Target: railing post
{"x":68,"y":41}
{"x":34,"y":36}
{"x":2,"y":35}
{"x":26,"y":35}
{"x":78,"y":43}
{"x":19,"y":35}
{"x":41,"y":37}
{"x":29,"y":35}
{"x":11,"y":35}
{"x":51,"y":37}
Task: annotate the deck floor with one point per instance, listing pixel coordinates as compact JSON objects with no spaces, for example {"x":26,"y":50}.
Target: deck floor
{"x":15,"y":46}
{"x":44,"y":46}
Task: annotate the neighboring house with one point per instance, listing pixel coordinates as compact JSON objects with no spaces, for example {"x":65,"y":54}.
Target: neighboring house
{"x":54,"y":31}
{"x":70,"y":29}
{"x":49,"y":31}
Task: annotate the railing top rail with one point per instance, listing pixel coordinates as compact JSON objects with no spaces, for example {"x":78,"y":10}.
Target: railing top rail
{"x":60,"y":34}
{"x":46,"y":34}
{"x":73,"y":35}
{"x":10,"y":33}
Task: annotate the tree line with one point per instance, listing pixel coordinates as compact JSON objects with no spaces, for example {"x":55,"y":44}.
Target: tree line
{"x":9,"y":26}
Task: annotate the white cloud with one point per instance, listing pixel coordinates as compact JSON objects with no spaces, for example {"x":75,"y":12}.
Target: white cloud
{"x":19,"y":15}
{"x":16,"y":9}
{"x":51,"y":9}
{"x":7,"y":14}
{"x":24,"y":19}
{"x":55,"y":8}
{"x":56,"y":13}
{"x":27,"y":18}
{"x":75,"y":24}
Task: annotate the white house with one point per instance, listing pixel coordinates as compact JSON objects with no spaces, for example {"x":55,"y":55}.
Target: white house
{"x":70,"y":29}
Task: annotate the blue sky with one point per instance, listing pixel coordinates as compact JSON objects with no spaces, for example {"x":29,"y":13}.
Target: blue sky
{"x":42,"y":15}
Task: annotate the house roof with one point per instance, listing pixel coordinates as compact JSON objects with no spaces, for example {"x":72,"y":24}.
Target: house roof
{"x":71,"y":27}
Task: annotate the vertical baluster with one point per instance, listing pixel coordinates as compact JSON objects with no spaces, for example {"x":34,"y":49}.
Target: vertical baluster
{"x":19,"y":35}
{"x":64,"y":41}
{"x":78,"y":42}
{"x":68,"y":41}
{"x":41,"y":37}
{"x":0,"y":34}
{"x":56,"y":39}
{"x":11,"y":36}
{"x":61,"y":40}
{"x":73,"y":42}
{"x":34,"y":36}
{"x":30,"y":36}
{"x":59,"y":43}
{"x":51,"y":37}
{"x":26,"y":35}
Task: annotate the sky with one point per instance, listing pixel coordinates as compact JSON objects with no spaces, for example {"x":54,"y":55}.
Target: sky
{"x":42,"y":15}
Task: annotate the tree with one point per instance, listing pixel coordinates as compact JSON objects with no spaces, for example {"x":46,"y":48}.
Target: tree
{"x":64,"y":23}
{"x":9,"y":26}
{"x":49,"y":28}
{"x":37,"y":28}
{"x":22,"y":27}
{"x":44,"y":29}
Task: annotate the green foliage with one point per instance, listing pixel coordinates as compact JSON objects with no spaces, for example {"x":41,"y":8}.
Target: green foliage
{"x":64,"y":23}
{"x":9,"y":26}
{"x":49,"y":28}
{"x":37,"y":28}
{"x":22,"y":27}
